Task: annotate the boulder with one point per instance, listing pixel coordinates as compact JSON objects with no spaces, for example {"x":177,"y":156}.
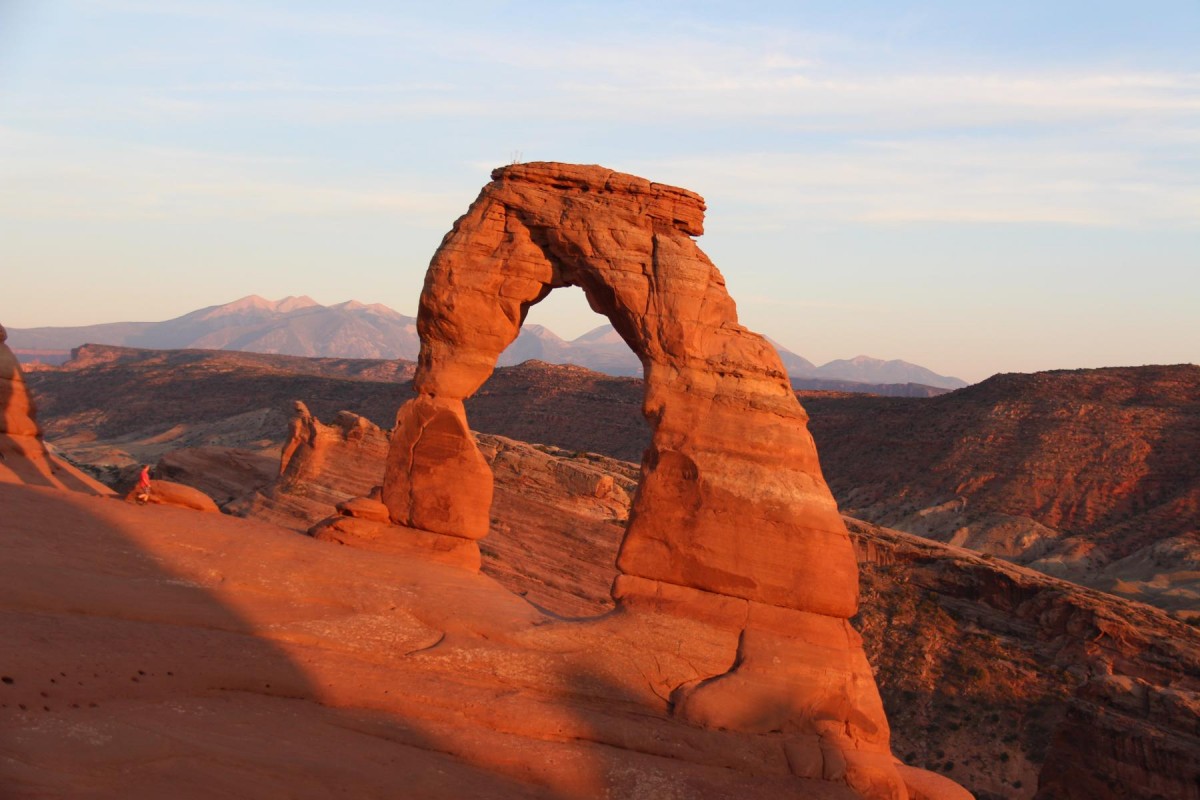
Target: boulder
{"x":169,"y":493}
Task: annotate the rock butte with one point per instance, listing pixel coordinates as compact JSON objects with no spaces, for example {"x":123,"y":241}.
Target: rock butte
{"x":732,"y":523}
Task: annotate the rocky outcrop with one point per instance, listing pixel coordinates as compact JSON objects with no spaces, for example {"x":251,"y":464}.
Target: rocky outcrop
{"x":975,"y":684}
{"x":320,"y":466}
{"x":157,"y":652}
{"x":732,"y":522}
{"x":1090,"y":475}
{"x":556,"y":520}
{"x":1025,"y":686}
{"x":170,"y":493}
{"x":225,"y":474}
{"x":24,"y":457}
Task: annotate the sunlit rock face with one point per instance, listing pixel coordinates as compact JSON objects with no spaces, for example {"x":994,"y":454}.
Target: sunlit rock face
{"x":732,"y":523}
{"x":732,"y":500}
{"x":23,"y":455}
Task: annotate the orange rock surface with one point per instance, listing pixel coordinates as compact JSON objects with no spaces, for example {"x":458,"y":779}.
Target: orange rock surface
{"x":24,"y":457}
{"x":169,"y":493}
{"x":732,"y":523}
{"x":321,"y":465}
{"x":155,"y":652}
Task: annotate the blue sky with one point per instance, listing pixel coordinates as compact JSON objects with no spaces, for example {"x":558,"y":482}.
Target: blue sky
{"x":977,"y":187}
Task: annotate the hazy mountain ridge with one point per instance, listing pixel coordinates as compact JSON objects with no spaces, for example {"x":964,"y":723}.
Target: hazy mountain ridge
{"x":300,"y":326}
{"x":297,"y":326}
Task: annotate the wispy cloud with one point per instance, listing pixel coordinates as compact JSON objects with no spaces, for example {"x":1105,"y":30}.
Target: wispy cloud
{"x":773,"y":125}
{"x":57,"y":178}
{"x":288,"y":17}
{"x":948,"y":179}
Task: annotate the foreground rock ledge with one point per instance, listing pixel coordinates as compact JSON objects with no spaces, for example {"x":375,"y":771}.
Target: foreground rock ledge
{"x":732,"y":524}
{"x":156,"y":652}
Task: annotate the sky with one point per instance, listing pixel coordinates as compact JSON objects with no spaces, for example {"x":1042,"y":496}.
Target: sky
{"x":976,"y":187}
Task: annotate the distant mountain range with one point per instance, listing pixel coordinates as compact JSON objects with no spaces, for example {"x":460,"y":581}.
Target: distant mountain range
{"x":296,"y":326}
{"x":300,"y":326}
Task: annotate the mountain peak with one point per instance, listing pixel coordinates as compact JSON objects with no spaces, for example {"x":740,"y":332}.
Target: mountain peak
{"x":245,"y":303}
{"x":290,"y":303}
{"x":604,"y":333}
{"x":254,"y":302}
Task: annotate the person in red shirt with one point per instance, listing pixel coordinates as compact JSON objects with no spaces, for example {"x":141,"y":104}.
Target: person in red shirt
{"x":143,"y":484}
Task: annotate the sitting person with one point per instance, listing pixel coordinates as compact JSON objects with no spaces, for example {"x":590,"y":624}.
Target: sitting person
{"x":143,"y":484}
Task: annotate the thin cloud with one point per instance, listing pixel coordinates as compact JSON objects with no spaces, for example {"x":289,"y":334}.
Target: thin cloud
{"x":946,"y":179}
{"x":53,"y":178}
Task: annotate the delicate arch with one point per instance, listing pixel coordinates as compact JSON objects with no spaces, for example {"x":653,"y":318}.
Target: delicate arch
{"x":731,"y":499}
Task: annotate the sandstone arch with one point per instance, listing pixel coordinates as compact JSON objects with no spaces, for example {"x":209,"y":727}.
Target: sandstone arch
{"x":732,"y":524}
{"x":732,"y":500}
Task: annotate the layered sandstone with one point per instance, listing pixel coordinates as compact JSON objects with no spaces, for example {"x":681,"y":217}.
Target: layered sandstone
{"x":1091,"y":475}
{"x":24,"y":457}
{"x":556,"y":520}
{"x":321,"y":465}
{"x":156,"y":652}
{"x":732,"y":522}
{"x":1024,"y":686}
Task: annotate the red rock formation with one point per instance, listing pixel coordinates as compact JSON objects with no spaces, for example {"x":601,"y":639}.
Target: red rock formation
{"x":223,"y":473}
{"x":732,"y":522}
{"x":154,"y":652}
{"x":445,"y":485}
{"x":169,"y":493}
{"x":320,"y":466}
{"x":1025,"y":686}
{"x":24,"y":457}
{"x":1090,"y":475}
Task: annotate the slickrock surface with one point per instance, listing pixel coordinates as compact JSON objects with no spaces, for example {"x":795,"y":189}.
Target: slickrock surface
{"x":24,"y":457}
{"x":223,"y":473}
{"x":965,"y":680}
{"x":155,"y":652}
{"x":557,"y":521}
{"x":999,"y":676}
{"x":732,"y":522}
